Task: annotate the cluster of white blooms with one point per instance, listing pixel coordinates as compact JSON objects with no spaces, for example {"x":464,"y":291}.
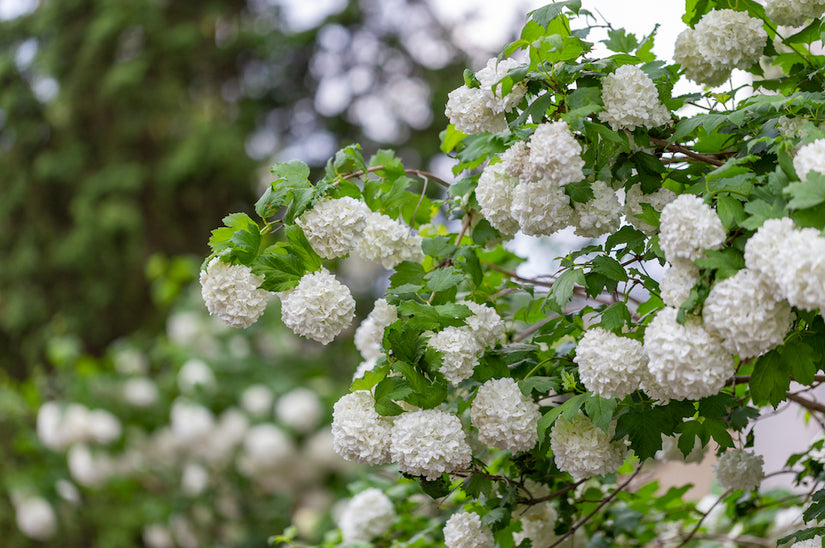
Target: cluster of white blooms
{"x":634,"y":198}
{"x":35,"y":517}
{"x":686,"y":361}
{"x":333,"y":225}
{"x":195,"y":374}
{"x":318,"y":308}
{"x":257,"y":400}
{"x":791,"y":261}
{"x":386,"y":241}
{"x":267,"y":450}
{"x":359,"y":433}
{"x":459,"y":348}
{"x":541,"y":208}
{"x":232,"y":293}
{"x":485,"y":324}
{"x":301,"y":409}
{"x":464,"y":530}
{"x":555,"y":155}
{"x":739,"y":469}
{"x":794,"y":13}
{"x":679,"y":278}
{"x":505,"y":418}
{"x":745,"y":313}
{"x":428,"y":443}
{"x":367,"y":515}
{"x":631,"y":100}
{"x":599,"y":215}
{"x":538,"y":523}
{"x":140,"y":392}
{"x":609,"y":365}
{"x":494,"y":193}
{"x":721,"y":41}
{"x":810,"y":157}
{"x":583,"y":449}
{"x":60,"y":427}
{"x":688,"y":226}
{"x":370,"y":334}
{"x":476,"y":110}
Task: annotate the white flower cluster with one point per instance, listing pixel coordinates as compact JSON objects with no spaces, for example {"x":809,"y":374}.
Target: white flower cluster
{"x":428,"y":443}
{"x":367,"y":515}
{"x":631,"y":100}
{"x":359,"y":433}
{"x":685,"y":361}
{"x":721,"y":41}
{"x":810,"y":157}
{"x":318,"y":308}
{"x":679,"y":278}
{"x":793,"y":13}
{"x":538,"y":522}
{"x":555,"y":155}
{"x":790,"y":261}
{"x":386,"y":241}
{"x":745,"y":313}
{"x":541,"y":208}
{"x":59,"y":427}
{"x":739,"y":469}
{"x":505,"y":418}
{"x":583,"y":449}
{"x":494,"y":193}
{"x":35,"y":517}
{"x":485,"y":324}
{"x":232,"y":293}
{"x":333,"y":225}
{"x":370,"y":334}
{"x":634,"y":198}
{"x":688,"y":226}
{"x":609,"y":365}
{"x":267,"y":451}
{"x":599,"y":215}
{"x":460,"y":349}
{"x":464,"y":530}
{"x":476,"y":110}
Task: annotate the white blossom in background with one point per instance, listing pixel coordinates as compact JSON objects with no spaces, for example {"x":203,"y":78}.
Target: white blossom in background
{"x":505,"y":418}
{"x":793,"y":13}
{"x":810,"y":157}
{"x":318,"y":308}
{"x":359,"y":433}
{"x":494,"y":193}
{"x":464,"y":530}
{"x":157,"y":535}
{"x":87,"y":468}
{"x":739,"y":469}
{"x":301,"y":409}
{"x":333,"y":225}
{"x":68,"y":491}
{"x":679,"y":278}
{"x":801,"y":269}
{"x":764,"y":249}
{"x":555,"y":154}
{"x":266,"y":450}
{"x":541,"y":208}
{"x":190,"y":422}
{"x":687,"y":227}
{"x":60,"y":426}
{"x":469,"y":111}
{"x":686,"y":361}
{"x":538,"y":523}
{"x":227,"y":434}
{"x":257,"y":400}
{"x":195,"y":374}
{"x":35,"y":517}
{"x":746,"y":314}
{"x":388,"y":242}
{"x":610,"y":365}
{"x":583,"y":449}
{"x":489,"y":78}
{"x":485,"y":324}
{"x":370,"y":334}
{"x":634,"y":198}
{"x":130,"y":361}
{"x":232,"y":293}
{"x":194,"y":479}
{"x":599,"y":215}
{"x":428,"y":443}
{"x":368,"y":515}
{"x":459,"y":349}
{"x":140,"y":392}
{"x":687,"y":53}
{"x":631,"y":100}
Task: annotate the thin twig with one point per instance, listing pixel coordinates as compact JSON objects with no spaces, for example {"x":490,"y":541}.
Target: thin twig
{"x":554,"y":494}
{"x":673,"y":147}
{"x":417,"y":172}
{"x":810,"y":405}
{"x":702,"y":519}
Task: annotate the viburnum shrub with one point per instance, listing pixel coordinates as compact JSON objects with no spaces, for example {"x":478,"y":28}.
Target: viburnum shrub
{"x":533,"y":402}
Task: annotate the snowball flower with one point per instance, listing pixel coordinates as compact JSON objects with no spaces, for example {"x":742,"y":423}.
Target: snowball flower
{"x":810,"y":157}
{"x":739,"y":469}
{"x":35,"y":517}
{"x":495,"y":194}
{"x":469,"y":111}
{"x":485,"y":324}
{"x":583,"y":449}
{"x":678,"y":280}
{"x":231,"y":292}
{"x":257,"y":400}
{"x":301,"y":409}
{"x":729,"y":38}
{"x":266,"y":449}
{"x":541,"y":208}
{"x":599,"y":215}
{"x":793,"y":13}
{"x":193,"y":374}
{"x":370,"y":334}
{"x":367,"y":515}
{"x":459,"y":349}
{"x":505,"y":418}
{"x":801,"y":269}
{"x":191,"y":423}
{"x":388,"y":242}
{"x":318,"y":308}
{"x":763,"y":249}
{"x":631,"y":100}
{"x":359,"y":433}
{"x":538,"y":522}
{"x":686,"y":361}
{"x":686,"y":53}
{"x":745,"y":313}
{"x":333,"y":225}
{"x":556,"y":154}
{"x":634,"y":198}
{"x":489,"y":78}
{"x":610,"y":365}
{"x":688,"y":226}
{"x":428,"y":443}
{"x":464,"y":530}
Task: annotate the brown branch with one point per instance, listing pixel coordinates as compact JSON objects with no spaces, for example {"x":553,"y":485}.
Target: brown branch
{"x":746,"y":540}
{"x":417,"y":172}
{"x":554,"y":494}
{"x":742,"y":379}
{"x":810,"y":405}
{"x":673,"y":147}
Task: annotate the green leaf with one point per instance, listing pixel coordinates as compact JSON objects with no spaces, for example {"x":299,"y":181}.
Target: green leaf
{"x":620,"y":41}
{"x":294,"y":172}
{"x":370,"y":378}
{"x":408,"y":273}
{"x":477,"y":485}
{"x":436,"y":488}
{"x":281,"y":270}
{"x":542,"y":385}
{"x":727,"y":262}
{"x":600,"y":410}
{"x":562,"y":290}
{"x":405,"y":342}
{"x":568,"y":409}
{"x":300,"y":247}
{"x":579,"y":192}
{"x":615,"y":316}
{"x":438,"y":246}
{"x":610,"y":267}
{"x":770,"y":379}
{"x":484,"y":232}
{"x":471,"y":265}
{"x":816,"y":511}
{"x":544,"y":15}
{"x":730,"y":210}
{"x":808,"y":193}
{"x":644,"y":427}
{"x":423,"y":316}
{"x":389,"y":389}
{"x":633,"y":239}
{"x":445,"y":278}
{"x":241,"y":236}
{"x":801,"y":360}
{"x":760,"y":211}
